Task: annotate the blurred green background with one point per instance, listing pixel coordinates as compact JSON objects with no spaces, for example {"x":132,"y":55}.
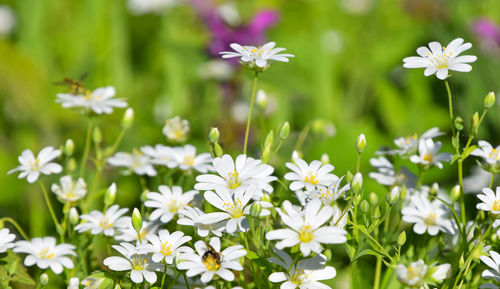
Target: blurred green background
{"x":347,"y":70}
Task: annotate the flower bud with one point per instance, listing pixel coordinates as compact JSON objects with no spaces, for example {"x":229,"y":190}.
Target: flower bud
{"x":213,"y":135}
{"x":74,"y":217}
{"x":459,"y":123}
{"x":489,"y":100}
{"x":328,"y":254}
{"x":255,"y":209}
{"x":109,"y":197}
{"x":296,"y":155}
{"x":402,"y":238}
{"x":376,"y":213}
{"x":128,"y":118}
{"x":97,"y":135}
{"x":393,"y":196}
{"x":348,"y":176}
{"x":44,"y":279}
{"x":455,"y":193}
{"x":266,"y":198}
{"x":474,"y":122}
{"x":361,"y":143}
{"x":461,"y":262}
{"x":144,"y":195}
{"x":69,"y":147}
{"x":284,"y":130}
{"x":373,"y":198}
{"x":117,"y":286}
{"x":268,"y":143}
{"x":357,"y":182}
{"x":266,"y":155}
{"x":71,"y":165}
{"x":365,"y":206}
{"x":137,"y":221}
{"x":325,"y":159}
{"x":218,"y":150}
{"x":434,"y":189}
{"x":357,"y":199}
{"x":261,"y":99}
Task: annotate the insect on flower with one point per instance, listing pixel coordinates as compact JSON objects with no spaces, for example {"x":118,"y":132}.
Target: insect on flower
{"x":211,"y":258}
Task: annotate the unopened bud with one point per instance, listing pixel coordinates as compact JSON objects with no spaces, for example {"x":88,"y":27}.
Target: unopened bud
{"x":74,"y":217}
{"x":213,"y":135}
{"x":489,"y":100}
{"x":328,"y":254}
{"x":144,"y":195}
{"x":357,"y":199}
{"x":361,"y":143}
{"x":97,"y":135}
{"x":261,"y":99}
{"x":284,"y":130}
{"x":255,"y":209}
{"x":128,"y":118}
{"x":376,"y":213}
{"x":348,"y":176}
{"x":69,"y":147}
{"x":266,"y":155}
{"x":455,"y":193}
{"x":404,"y":192}
{"x":44,"y":279}
{"x":434,"y":189}
{"x":137,"y":221}
{"x":71,"y":165}
{"x":475,"y":122}
{"x":117,"y":286}
{"x":325,"y":159}
{"x":461,"y":262}
{"x":481,"y":216}
{"x":365,"y":206}
{"x":373,"y":198}
{"x":357,"y":182}
{"x":268,"y":143}
{"x":109,"y":197}
{"x":266,"y":198}
{"x":218,"y":150}
{"x":459,"y":123}
{"x":402,"y":238}
{"x":393,"y":196}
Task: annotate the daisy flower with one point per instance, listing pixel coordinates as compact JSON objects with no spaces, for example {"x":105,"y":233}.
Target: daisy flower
{"x":176,"y":129}
{"x":491,"y":201}
{"x":257,"y":57}
{"x":408,"y":145}
{"x":74,"y":283}
{"x":209,"y":260}
{"x":166,"y":246}
{"x":136,"y":162}
{"x":160,"y":155}
{"x":427,"y":216}
{"x":490,"y":155}
{"x":309,"y":176}
{"x":70,"y":191}
{"x":108,"y":223}
{"x":304,"y":274}
{"x":234,"y":206}
{"x":331,"y":193}
{"x":387,"y":176}
{"x":129,"y":234}
{"x":6,"y":239}
{"x":45,"y":253}
{"x":428,"y":155}
{"x":306,"y":229}
{"x":137,"y":260}
{"x":244,"y":171}
{"x":98,"y":101}
{"x":493,"y":261}
{"x":168,"y":202}
{"x":187,"y":159}
{"x":92,"y":282}
{"x":188,"y":216}
{"x":439,"y":59}
{"x":418,"y":274}
{"x":31,"y":167}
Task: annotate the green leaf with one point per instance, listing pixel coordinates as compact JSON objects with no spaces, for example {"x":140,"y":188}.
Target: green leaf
{"x":454,"y":158}
{"x":468,"y":151}
{"x":367,"y":252}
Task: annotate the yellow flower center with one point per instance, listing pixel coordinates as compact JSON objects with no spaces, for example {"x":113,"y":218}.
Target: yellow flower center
{"x":233,"y":180}
{"x":188,"y":160}
{"x":412,"y":273}
{"x":46,"y":253}
{"x":139,"y":262}
{"x":104,"y":223}
{"x":311,"y":178}
{"x":166,"y":249}
{"x":234,"y":209}
{"x":174,"y":206}
{"x":428,"y":157}
{"x":305,"y":234}
{"x":496,"y":205}
{"x":299,"y":277}
{"x":430,"y":220}
{"x":495,"y":154}
{"x":409,"y":139}
{"x":211,"y":263}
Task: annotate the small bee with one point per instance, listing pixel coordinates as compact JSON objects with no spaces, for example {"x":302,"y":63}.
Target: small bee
{"x":211,"y":258}
{"x":76,"y":86}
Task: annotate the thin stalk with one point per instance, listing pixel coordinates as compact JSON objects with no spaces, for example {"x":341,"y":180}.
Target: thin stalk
{"x":254,"y":91}
{"x":51,"y":210}
{"x":18,"y":227}
{"x":302,"y":137}
{"x":378,"y":270}
{"x":185,"y":279}
{"x":450,"y":106}
{"x":86,"y":149}
{"x":358,"y":163}
{"x":492,"y":180}
{"x":118,"y":141}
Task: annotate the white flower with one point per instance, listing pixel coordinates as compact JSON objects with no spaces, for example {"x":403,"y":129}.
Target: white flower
{"x":309,"y":176}
{"x":6,"y":240}
{"x":211,"y":261}
{"x":476,"y":180}
{"x":306,"y":229}
{"x":215,"y":69}
{"x":45,"y":253}
{"x":440,"y":59}
{"x":74,"y":283}
{"x":129,"y":234}
{"x":137,"y":260}
{"x":408,"y":145}
{"x":98,"y":101}
{"x":32,"y":167}
{"x":427,"y":216}
{"x":234,"y":206}
{"x":339,"y":218}
{"x":387,"y":176}
{"x":108,"y":223}
{"x":304,"y":274}
{"x":489,"y":154}
{"x":428,"y":155}
{"x":257,"y":56}
{"x":491,"y":201}
{"x":92,"y":282}
{"x":160,"y":155}
{"x":176,"y":129}
{"x":187,"y":159}
{"x":166,"y":246}
{"x":331,"y":193}
{"x":7,"y":20}
{"x":140,"y":7}
{"x":168,"y":202}
{"x":418,"y":274}
{"x":189,"y":216}
{"x":137,"y":162}
{"x":70,"y":191}
{"x":493,"y":261}
{"x":244,"y":171}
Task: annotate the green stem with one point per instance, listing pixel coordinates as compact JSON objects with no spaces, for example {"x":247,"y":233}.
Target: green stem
{"x":462,"y":197}
{"x":117,"y":142}
{"x":254,"y":91}
{"x":354,"y":274}
{"x":185,"y":279}
{"x":420,"y":176}
{"x":450,"y":106}
{"x":358,"y":163}
{"x":87,"y":147}
{"x":302,"y":137}
{"x":51,"y":210}
{"x":492,"y":180}
{"x":18,"y":227}
{"x":378,"y":270}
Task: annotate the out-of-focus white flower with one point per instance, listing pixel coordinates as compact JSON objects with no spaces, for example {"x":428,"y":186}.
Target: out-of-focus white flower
{"x":161,"y":155}
{"x":136,"y":162}
{"x":490,"y":155}
{"x":439,"y":59}
{"x":304,"y":274}
{"x":168,"y":202}
{"x":476,"y":180}
{"x":108,"y":223}
{"x":415,"y":275}
{"x":137,"y":260}
{"x":70,"y":191}
{"x":6,"y":239}
{"x":331,"y":193}
{"x":92,"y":282}
{"x":229,"y":13}
{"x":257,"y":57}
{"x":310,"y":176}
{"x":306,"y":228}
{"x":491,"y":201}
{"x":493,"y":261}
{"x":98,"y":101}
{"x":234,"y":206}
{"x":31,"y":167}
{"x":428,"y":154}
{"x":140,"y":7}
{"x":74,"y":283}
{"x":209,"y":260}
{"x":187,"y":159}
{"x":239,"y":111}
{"x":166,"y":246}
{"x":331,"y":42}
{"x":427,"y":216}
{"x":356,"y":6}
{"x":176,"y":129}
{"x":244,"y":171}
{"x":7,"y":20}
{"x":216,"y":69}
{"x":45,"y":253}
{"x":408,"y":145}
{"x":189,"y":216}
{"x":339,"y":218}
{"x":387,"y":176}
{"x":129,"y":234}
